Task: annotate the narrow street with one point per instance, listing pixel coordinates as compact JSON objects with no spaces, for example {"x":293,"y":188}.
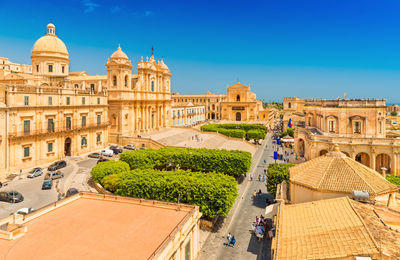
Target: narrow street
{"x":247,"y":246}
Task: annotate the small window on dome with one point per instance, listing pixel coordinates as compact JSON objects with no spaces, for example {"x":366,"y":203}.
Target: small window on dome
{"x":114,"y":81}
{"x":62,"y":69}
{"x":152,"y":86}
{"x":37,"y":68}
{"x":50,"y":68}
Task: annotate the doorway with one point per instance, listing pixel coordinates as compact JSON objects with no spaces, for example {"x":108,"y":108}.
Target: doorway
{"x":67,"y":147}
{"x":238,"y":116}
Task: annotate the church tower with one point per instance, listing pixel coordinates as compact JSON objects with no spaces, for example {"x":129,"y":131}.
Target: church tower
{"x":119,"y":71}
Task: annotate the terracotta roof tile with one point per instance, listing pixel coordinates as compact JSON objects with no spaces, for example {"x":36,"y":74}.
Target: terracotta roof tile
{"x":336,"y":173}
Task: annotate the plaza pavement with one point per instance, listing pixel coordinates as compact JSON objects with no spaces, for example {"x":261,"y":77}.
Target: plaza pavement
{"x":242,"y":216}
{"x":186,"y":137}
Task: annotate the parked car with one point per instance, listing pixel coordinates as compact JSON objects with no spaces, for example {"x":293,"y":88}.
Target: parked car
{"x":71,"y":191}
{"x":35,"y":172}
{"x":142,"y":148}
{"x":25,"y":211}
{"x":116,"y":149}
{"x":129,"y":147}
{"x":95,"y":155}
{"x":57,"y":165}
{"x":107,"y":152}
{"x":102,"y":160}
{"x":11,"y":196}
{"x":270,"y":200}
{"x":47,"y":184}
{"x":54,"y":175}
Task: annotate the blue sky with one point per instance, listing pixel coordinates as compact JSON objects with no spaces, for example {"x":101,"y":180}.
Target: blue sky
{"x":305,"y":48}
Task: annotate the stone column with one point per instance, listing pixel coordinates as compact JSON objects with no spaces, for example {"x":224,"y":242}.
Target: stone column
{"x":394,"y":167}
{"x":373,"y":160}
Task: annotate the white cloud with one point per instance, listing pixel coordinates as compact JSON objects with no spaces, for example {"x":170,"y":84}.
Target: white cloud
{"x":89,"y":6}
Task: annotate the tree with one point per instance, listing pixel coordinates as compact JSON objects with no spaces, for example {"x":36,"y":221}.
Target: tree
{"x":276,"y":174}
{"x":393,"y":113}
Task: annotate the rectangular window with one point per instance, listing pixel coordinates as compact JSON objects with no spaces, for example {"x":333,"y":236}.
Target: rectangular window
{"x":62,"y":69}
{"x":68,"y":124}
{"x":37,"y":68}
{"x":68,"y":100}
{"x":98,"y":101}
{"x":357,"y":127}
{"x":83,"y":101}
{"x":26,"y":151}
{"x":98,"y":119}
{"x":49,"y":147}
{"x":187,"y":251}
{"x":331,"y":126}
{"x":83,"y":121}
{"x":98,"y":138}
{"x":50,"y":101}
{"x":26,"y":100}
{"x":50,"y":125}
{"x":50,"y":68}
{"x":27,"y":127}
{"x":83,"y":141}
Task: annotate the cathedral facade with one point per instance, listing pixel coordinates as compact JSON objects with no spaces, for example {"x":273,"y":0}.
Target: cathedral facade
{"x":48,"y":113}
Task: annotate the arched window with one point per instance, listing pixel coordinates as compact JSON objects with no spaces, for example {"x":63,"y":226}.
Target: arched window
{"x":152,"y":85}
{"x":114,"y":81}
{"x":126,"y":80}
{"x":289,"y":105}
{"x":238,"y":98}
{"x":76,"y":86}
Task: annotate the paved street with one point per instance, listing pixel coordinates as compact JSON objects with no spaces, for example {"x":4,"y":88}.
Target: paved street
{"x":76,"y":175}
{"x":247,"y":246}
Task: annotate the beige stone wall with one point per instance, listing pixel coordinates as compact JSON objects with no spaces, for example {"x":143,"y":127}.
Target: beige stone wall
{"x":300,"y":194}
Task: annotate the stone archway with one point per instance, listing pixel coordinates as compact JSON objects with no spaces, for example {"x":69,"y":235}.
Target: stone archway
{"x":382,"y":161}
{"x":67,"y":147}
{"x":363,"y":158}
{"x":323,"y":152}
{"x":238,"y":116}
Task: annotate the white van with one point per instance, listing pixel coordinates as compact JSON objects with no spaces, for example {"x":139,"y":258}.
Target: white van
{"x":107,"y":152}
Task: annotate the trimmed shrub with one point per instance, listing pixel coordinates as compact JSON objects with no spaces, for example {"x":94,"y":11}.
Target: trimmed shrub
{"x":238,"y":133}
{"x":276,"y":174}
{"x":108,"y":167}
{"x":214,"y":193}
{"x":393,"y":179}
{"x":232,"y":163}
{"x":235,"y":130}
{"x":255,"y":135}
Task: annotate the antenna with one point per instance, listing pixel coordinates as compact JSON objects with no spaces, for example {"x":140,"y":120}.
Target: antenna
{"x":152,"y":50}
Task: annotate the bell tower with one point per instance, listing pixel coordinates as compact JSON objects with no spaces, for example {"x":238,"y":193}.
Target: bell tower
{"x":119,"y":71}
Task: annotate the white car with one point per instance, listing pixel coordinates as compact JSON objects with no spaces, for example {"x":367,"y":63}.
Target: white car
{"x":107,"y":152}
{"x":25,"y":211}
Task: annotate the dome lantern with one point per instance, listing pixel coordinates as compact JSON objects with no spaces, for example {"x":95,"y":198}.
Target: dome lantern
{"x":51,"y":29}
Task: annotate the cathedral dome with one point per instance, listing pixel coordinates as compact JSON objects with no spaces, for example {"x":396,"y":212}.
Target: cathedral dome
{"x":119,"y":54}
{"x":50,"y":43}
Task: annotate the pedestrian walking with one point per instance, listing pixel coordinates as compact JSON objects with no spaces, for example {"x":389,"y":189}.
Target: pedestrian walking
{"x":229,"y":237}
{"x":264,"y":178}
{"x":233,"y":241}
{"x":251,"y":177}
{"x":259,"y":177}
{"x":255,"y":194}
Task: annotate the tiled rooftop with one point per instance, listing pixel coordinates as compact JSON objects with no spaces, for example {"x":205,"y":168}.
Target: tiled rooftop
{"x":323,"y":229}
{"x":338,"y":173}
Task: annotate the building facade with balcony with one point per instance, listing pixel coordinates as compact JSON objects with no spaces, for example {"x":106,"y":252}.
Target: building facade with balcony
{"x":188,"y":115}
{"x":50,"y":112}
{"x":47,"y":116}
{"x":358,"y":126}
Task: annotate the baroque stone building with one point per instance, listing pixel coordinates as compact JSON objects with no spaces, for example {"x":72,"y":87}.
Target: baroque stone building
{"x":48,"y":112}
{"x":239,"y":104}
{"x":358,"y":126}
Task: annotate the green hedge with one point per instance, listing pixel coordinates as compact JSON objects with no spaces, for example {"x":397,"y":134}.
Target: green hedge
{"x":232,"y":162}
{"x":214,"y":193}
{"x":393,"y":179}
{"x":237,"y":130}
{"x":276,"y":174}
{"x":255,"y":135}
{"x":108,"y":167}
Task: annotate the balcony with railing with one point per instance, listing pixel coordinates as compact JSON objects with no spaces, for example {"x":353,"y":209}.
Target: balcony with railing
{"x":27,"y":132}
